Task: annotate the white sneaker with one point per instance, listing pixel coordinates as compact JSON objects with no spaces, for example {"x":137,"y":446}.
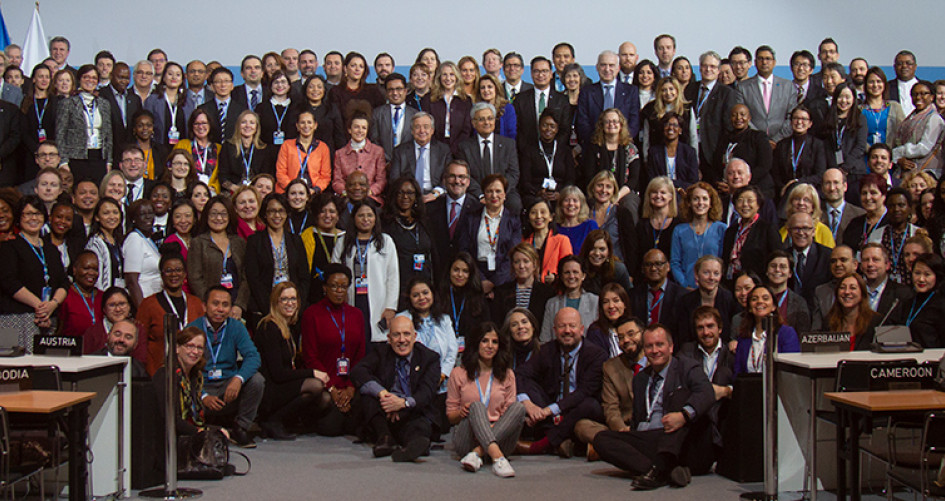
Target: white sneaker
{"x":471,"y":462}
{"x":502,"y":468}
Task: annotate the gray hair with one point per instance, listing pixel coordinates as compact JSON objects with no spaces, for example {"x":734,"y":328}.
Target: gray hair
{"x":710,"y":53}
{"x":607,"y":53}
{"x":421,"y":114}
{"x":735,"y":160}
{"x":481,"y":105}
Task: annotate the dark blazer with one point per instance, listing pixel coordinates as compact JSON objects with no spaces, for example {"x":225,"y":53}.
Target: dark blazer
{"x":769,"y":213}
{"x":510,"y":234}
{"x":382,"y":127}
{"x":11,"y":127}
{"x":788,"y":342}
{"x":522,"y":88}
{"x":713,"y":117}
{"x":591,"y":105}
{"x":446,"y":247}
{"x":926,"y":327}
{"x":762,"y":239}
{"x":504,"y":161}
{"x":526,"y":115}
{"x":260,"y":267}
{"x":233,"y":111}
{"x":239,"y":94}
{"x":668,"y":309}
{"x":404,"y":161}
{"x":31,"y":125}
{"x":815,"y":273}
{"x":753,"y":147}
{"x":853,"y":144}
{"x":812,"y":162}
{"x":892,"y":292}
{"x":137,"y":368}
{"x":331,"y":127}
{"x":685,"y":331}
{"x":850,"y":212}
{"x":268,"y":121}
{"x":157,"y":105}
{"x":687,"y":164}
{"x":724,"y":371}
{"x":629,"y":165}
{"x":854,"y":236}
{"x":379,"y":365}
{"x":540,"y":377}
{"x":121,"y":127}
{"x":534,"y":169}
{"x":460,"y":120}
{"x":230,"y":163}
{"x":685,"y":384}
{"x":505,"y":300}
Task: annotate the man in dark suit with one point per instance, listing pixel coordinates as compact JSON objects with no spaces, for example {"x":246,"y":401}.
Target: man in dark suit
{"x":885,"y":296}
{"x":805,"y":90}
{"x":514,"y":66}
{"x":900,"y":88}
{"x":827,"y":52}
{"x":879,"y":161}
{"x":423,"y":158}
{"x":811,"y":260}
{"x":656,"y":302}
{"x":713,"y":105}
{"x":561,"y":385}
{"x":669,"y":397}
{"x":708,"y":271}
{"x":397,"y":383}
{"x":390,"y":124}
{"x":607,"y":93}
{"x":124,"y":103}
{"x":132,"y":165}
{"x":197,"y":92}
{"x":10,"y":126}
{"x":739,"y":174}
{"x":489,"y":153}
{"x":837,"y":213}
{"x":446,"y":216}
{"x":122,"y":340}
{"x":531,"y":102}
{"x":223,"y":109}
{"x":842,"y":263}
{"x":251,"y":92}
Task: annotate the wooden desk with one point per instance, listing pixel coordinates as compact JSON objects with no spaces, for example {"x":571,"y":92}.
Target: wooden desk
{"x":76,"y":404}
{"x":851,"y":406}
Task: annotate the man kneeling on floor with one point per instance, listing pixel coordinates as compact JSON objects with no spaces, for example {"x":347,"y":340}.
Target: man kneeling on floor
{"x":668,"y":396}
{"x":398,"y":382}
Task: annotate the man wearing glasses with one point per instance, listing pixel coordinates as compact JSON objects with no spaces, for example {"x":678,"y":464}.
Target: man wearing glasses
{"x":769,"y":98}
{"x":811,"y":259}
{"x":447,"y":215}
{"x":900,"y":88}
{"x":656,"y":300}
{"x":390,"y":124}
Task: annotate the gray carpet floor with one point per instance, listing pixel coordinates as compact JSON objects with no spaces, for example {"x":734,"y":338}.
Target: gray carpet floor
{"x":336,"y":469}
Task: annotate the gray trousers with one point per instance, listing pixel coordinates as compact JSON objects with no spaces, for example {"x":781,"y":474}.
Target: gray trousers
{"x":246,"y":404}
{"x":477,"y":430}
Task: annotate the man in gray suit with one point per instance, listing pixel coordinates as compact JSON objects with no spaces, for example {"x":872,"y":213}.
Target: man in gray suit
{"x":489,"y":153}
{"x":842,"y":263}
{"x":389,"y":121}
{"x":837,"y":213}
{"x":769,"y":98}
{"x":11,"y":93}
{"x":423,"y":158}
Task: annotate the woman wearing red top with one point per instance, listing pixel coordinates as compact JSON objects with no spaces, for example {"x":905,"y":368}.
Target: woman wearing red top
{"x":304,"y":157}
{"x":83,"y":303}
{"x":363,"y":155}
{"x":333,"y":343}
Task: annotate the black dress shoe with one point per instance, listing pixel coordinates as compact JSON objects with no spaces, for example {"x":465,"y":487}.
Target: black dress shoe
{"x":384,"y":447}
{"x":241,"y":438}
{"x":415,"y":448}
{"x":649,"y":481}
{"x":680,"y":476}
{"x":276,"y":431}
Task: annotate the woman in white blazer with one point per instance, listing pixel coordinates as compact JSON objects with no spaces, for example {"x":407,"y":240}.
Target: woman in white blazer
{"x":571,"y":293}
{"x":372,"y":257}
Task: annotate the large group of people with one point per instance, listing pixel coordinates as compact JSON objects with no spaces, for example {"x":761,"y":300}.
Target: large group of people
{"x":556,"y":266}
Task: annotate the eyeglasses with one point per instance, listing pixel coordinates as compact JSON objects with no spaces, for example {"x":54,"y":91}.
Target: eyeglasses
{"x":32,"y":214}
{"x":802,"y":229}
{"x":218,"y":215}
{"x":406,"y":194}
{"x":657,"y":264}
{"x":457,"y":177}
{"x":193,"y":347}
{"x":128,"y":161}
{"x":47,"y":155}
{"x":173,"y":271}
{"x":276,"y":212}
{"x":485,"y":119}
{"x":123,"y":304}
{"x":288,"y":300}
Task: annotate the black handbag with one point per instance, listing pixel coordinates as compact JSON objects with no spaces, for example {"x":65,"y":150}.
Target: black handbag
{"x":206,"y":456}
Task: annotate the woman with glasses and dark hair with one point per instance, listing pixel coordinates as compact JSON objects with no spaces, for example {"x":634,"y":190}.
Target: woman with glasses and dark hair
{"x":217,"y":255}
{"x":404,"y":218}
{"x":927,"y":309}
{"x":84,"y":129}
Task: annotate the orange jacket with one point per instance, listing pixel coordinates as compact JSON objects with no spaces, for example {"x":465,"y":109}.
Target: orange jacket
{"x":556,"y":247}
{"x":288,"y":165}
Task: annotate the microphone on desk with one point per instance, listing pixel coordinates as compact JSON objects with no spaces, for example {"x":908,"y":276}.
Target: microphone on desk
{"x":895,"y":338}
{"x":889,"y":312}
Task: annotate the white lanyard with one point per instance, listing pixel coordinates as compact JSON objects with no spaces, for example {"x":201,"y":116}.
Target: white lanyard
{"x":659,"y":391}
{"x":488,"y":396}
{"x":549,"y":162}
{"x":181,"y":320}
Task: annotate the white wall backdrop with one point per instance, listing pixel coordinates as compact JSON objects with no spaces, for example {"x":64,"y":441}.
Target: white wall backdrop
{"x":228,"y":29}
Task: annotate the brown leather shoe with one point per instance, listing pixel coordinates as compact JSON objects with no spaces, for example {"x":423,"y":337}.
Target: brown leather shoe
{"x":566,"y":449}
{"x":523,"y":448}
{"x":592,"y":454}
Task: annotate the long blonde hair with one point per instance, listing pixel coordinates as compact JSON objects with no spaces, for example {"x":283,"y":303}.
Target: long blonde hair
{"x":678,"y":105}
{"x":436,"y":92}
{"x":275,"y":314}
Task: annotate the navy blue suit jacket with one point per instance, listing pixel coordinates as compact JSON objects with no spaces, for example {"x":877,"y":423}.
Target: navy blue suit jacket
{"x":687,"y":164}
{"x":510,"y":234}
{"x":540,"y":377}
{"x":591,"y":104}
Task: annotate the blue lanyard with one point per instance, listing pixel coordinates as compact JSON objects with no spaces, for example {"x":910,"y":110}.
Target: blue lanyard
{"x":416,"y":97}
{"x":90,"y":112}
{"x":247,"y":164}
{"x":651,"y":307}
{"x":840,"y":137}
{"x":341,"y":328}
{"x":41,"y":255}
{"x":87,"y":305}
{"x":215,"y":354}
{"x":488,"y":396}
{"x":225,"y":259}
{"x":39,"y":116}
{"x":279,"y":118}
{"x":796,"y":159}
{"x":869,"y":229}
{"x":892,"y":246}
{"x":456,"y":316}
{"x":362,"y":255}
{"x":302,"y":227}
{"x":303,"y":165}
{"x":658,"y":234}
{"x":148,"y":240}
{"x":912,"y":316}
{"x":783,"y":297}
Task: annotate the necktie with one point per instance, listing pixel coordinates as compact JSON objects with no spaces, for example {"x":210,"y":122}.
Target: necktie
{"x":626,"y":79}
{"x":733,"y":217}
{"x":834,"y":221}
{"x":799,"y":262}
{"x":766,"y":94}
{"x":512,"y":94}
{"x":800,"y":92}
{"x":541,"y":102}
{"x":608,"y":97}
{"x":403,"y":376}
{"x":486,"y":157}
{"x":396,"y":124}
{"x":222,"y":111}
{"x":453,"y":219}
{"x":655,"y":305}
{"x":421,"y":167}
{"x":636,"y":369}
{"x":254,"y":99}
{"x":654,"y":388}
{"x":874,"y":299}
{"x":131,"y":194}
{"x":566,"y":377}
